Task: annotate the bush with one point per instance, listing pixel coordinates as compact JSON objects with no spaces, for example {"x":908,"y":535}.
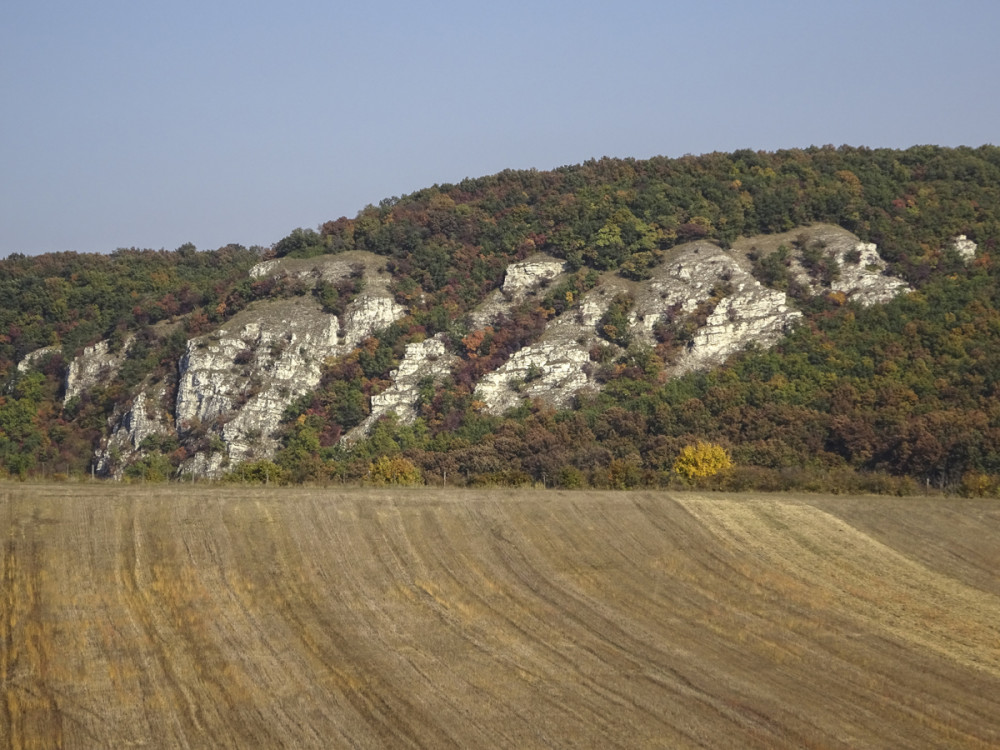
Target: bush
{"x":152,"y":468}
{"x":257,"y":472}
{"x":614,"y":324}
{"x":570,"y":478}
{"x":975,"y":484}
{"x":395,"y":471}
{"x":507,"y":478}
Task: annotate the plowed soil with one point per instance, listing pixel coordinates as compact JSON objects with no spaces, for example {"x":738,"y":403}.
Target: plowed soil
{"x":161,"y":617}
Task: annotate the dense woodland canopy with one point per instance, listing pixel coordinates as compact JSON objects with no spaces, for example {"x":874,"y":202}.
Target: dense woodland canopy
{"x":885,"y":398}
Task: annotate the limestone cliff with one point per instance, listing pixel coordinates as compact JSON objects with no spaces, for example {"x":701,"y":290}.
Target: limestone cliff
{"x":97,"y":363}
{"x":32,"y":359}
{"x":234,"y":384}
{"x":695,"y":278}
{"x":241,"y":377}
{"x":426,"y":360}
{"x":244,"y":375}
{"x":520,"y":280}
{"x":143,"y":418}
{"x":851,"y":267}
{"x":746,"y":311}
{"x":965,"y":248}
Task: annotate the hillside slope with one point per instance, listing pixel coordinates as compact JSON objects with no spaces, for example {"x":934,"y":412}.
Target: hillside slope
{"x":235,"y":383}
{"x":578,"y":326}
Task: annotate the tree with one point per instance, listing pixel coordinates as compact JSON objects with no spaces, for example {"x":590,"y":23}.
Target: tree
{"x":614,"y":324}
{"x":301,"y":243}
{"x":395,"y":470}
{"x":702,"y":460}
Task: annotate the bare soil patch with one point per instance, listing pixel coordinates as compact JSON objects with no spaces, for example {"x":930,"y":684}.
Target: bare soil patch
{"x":165,"y":617}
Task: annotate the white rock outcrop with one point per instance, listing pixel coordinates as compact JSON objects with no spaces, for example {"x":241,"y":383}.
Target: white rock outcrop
{"x":553,"y":368}
{"x":746,"y":310}
{"x":210,"y":464}
{"x":520,"y":280}
{"x":965,"y":247}
{"x":265,"y":268}
{"x":143,"y":418}
{"x":550,"y":371}
{"x":367,"y":314}
{"x":31,"y":359}
{"x":558,"y":367}
{"x":526,"y":275}
{"x":328,"y":268}
{"x":247,"y":373}
{"x":234,"y":384}
{"x":426,"y":359}
{"x":860,"y":272}
{"x":865,"y":281}
{"x":97,"y":363}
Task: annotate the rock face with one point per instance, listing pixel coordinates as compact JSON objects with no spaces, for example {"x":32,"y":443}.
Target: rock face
{"x":520,"y":280}
{"x":234,"y":384}
{"x":548,"y":371}
{"x":860,"y":270}
{"x":825,"y":259}
{"x":864,"y":280}
{"x":423,"y":360}
{"x":247,"y":373}
{"x":699,"y":276}
{"x":31,"y":359}
{"x":747,"y":310}
{"x":558,"y":366}
{"x":97,"y":363}
{"x":965,"y":247}
{"x":552,"y":369}
{"x":328,"y":268}
{"x":367,"y":314}
{"x":144,"y":418}
{"x":527,"y":275}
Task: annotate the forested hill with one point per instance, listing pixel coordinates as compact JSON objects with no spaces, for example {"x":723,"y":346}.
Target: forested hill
{"x":885,"y":396}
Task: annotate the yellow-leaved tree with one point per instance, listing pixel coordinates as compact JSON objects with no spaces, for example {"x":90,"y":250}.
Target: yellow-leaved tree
{"x":395,"y":470}
{"x":702,"y":460}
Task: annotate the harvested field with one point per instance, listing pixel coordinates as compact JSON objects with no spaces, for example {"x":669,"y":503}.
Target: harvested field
{"x":168,"y":617}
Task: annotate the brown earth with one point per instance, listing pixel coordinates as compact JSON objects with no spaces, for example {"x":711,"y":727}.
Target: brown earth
{"x":161,"y":617}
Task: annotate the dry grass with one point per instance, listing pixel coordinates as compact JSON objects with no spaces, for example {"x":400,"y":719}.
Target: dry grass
{"x":305,"y":618}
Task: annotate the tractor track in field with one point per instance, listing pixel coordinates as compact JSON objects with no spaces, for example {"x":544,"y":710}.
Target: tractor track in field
{"x":171,"y":617}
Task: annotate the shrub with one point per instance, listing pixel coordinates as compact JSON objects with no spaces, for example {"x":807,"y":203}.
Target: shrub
{"x":625,"y":473}
{"x":975,"y":484}
{"x":505,"y":478}
{"x":614,"y":324}
{"x":152,"y":468}
{"x":394,"y":470}
{"x":570,"y":478}
{"x":257,"y":472}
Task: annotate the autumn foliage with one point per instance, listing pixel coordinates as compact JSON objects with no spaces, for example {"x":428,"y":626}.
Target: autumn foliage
{"x":394,"y":470}
{"x":888,"y":398}
{"x":702,"y":460}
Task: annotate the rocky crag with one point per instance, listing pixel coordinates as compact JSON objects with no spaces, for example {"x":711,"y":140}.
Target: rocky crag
{"x":233,"y":384}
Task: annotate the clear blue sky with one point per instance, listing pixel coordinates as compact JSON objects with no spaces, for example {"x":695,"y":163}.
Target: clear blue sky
{"x":126,"y":123}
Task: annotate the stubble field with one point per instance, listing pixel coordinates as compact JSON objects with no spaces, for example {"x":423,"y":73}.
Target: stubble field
{"x":172,"y":617}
